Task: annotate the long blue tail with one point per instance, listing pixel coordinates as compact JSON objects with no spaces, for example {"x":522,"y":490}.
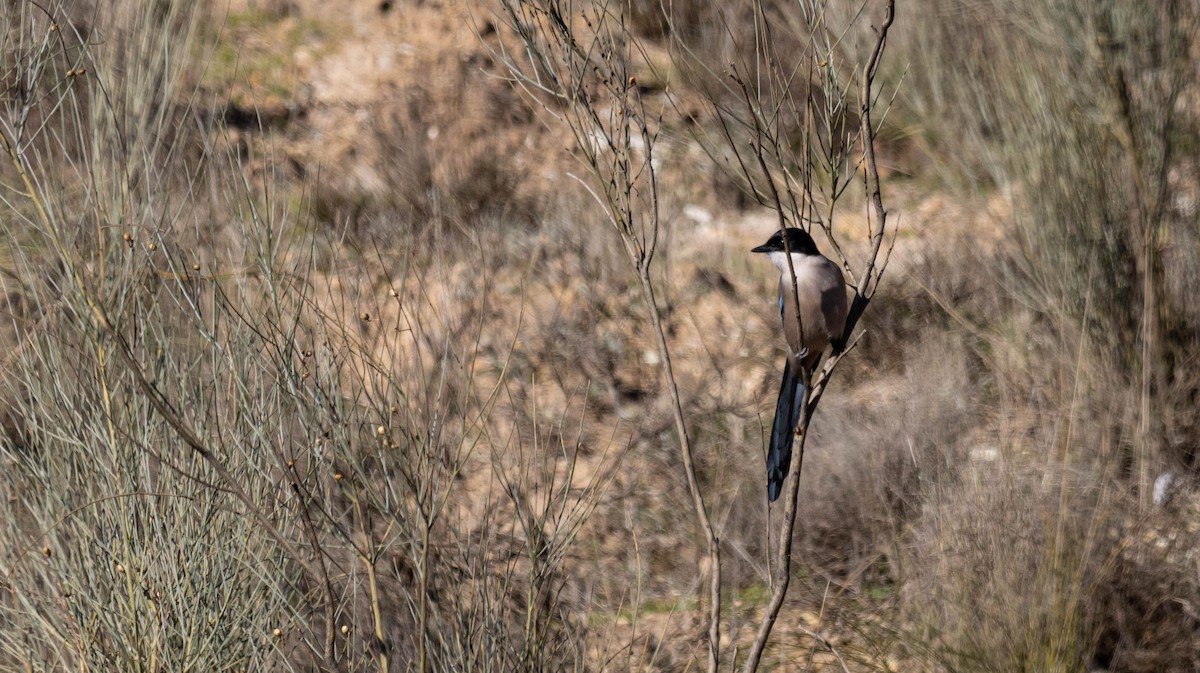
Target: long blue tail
{"x":787,"y":415}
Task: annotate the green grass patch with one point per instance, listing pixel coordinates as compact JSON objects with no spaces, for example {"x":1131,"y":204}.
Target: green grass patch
{"x":253,"y":60}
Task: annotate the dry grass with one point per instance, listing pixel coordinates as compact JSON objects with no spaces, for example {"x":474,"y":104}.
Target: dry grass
{"x":975,"y":495}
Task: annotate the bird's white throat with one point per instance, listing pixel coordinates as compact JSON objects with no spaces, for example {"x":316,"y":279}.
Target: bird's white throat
{"x":800,"y":262}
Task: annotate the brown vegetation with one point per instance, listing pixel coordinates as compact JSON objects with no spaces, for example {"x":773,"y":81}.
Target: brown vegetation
{"x":322,"y":354}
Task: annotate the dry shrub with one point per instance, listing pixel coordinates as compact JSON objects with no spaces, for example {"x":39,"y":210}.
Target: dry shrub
{"x":1028,"y":553}
{"x":219,"y":440}
{"x":1022,"y":567}
{"x":875,"y":455}
{"x":1103,"y":223}
{"x":1000,"y":568}
{"x":1046,"y":557}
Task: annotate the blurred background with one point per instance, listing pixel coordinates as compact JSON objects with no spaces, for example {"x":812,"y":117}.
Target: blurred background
{"x":371,"y":384}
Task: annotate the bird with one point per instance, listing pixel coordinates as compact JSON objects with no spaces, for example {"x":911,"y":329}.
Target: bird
{"x":820,"y":294}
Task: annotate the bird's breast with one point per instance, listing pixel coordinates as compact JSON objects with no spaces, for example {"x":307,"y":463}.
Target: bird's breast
{"x":820,"y":298}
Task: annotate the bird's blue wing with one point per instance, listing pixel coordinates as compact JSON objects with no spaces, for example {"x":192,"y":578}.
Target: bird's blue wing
{"x":787,"y":415}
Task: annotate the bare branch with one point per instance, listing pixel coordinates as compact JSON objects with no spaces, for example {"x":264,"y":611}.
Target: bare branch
{"x":605,"y":112}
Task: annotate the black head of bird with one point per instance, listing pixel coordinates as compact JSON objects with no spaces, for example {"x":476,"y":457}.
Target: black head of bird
{"x":798,"y":242}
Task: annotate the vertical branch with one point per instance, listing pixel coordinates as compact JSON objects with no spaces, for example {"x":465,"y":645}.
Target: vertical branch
{"x":873,"y":268}
{"x":685,"y":443}
{"x":689,"y":468}
{"x":582,"y":70}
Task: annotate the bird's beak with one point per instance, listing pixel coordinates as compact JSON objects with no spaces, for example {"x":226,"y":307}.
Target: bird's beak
{"x":762,"y":248}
